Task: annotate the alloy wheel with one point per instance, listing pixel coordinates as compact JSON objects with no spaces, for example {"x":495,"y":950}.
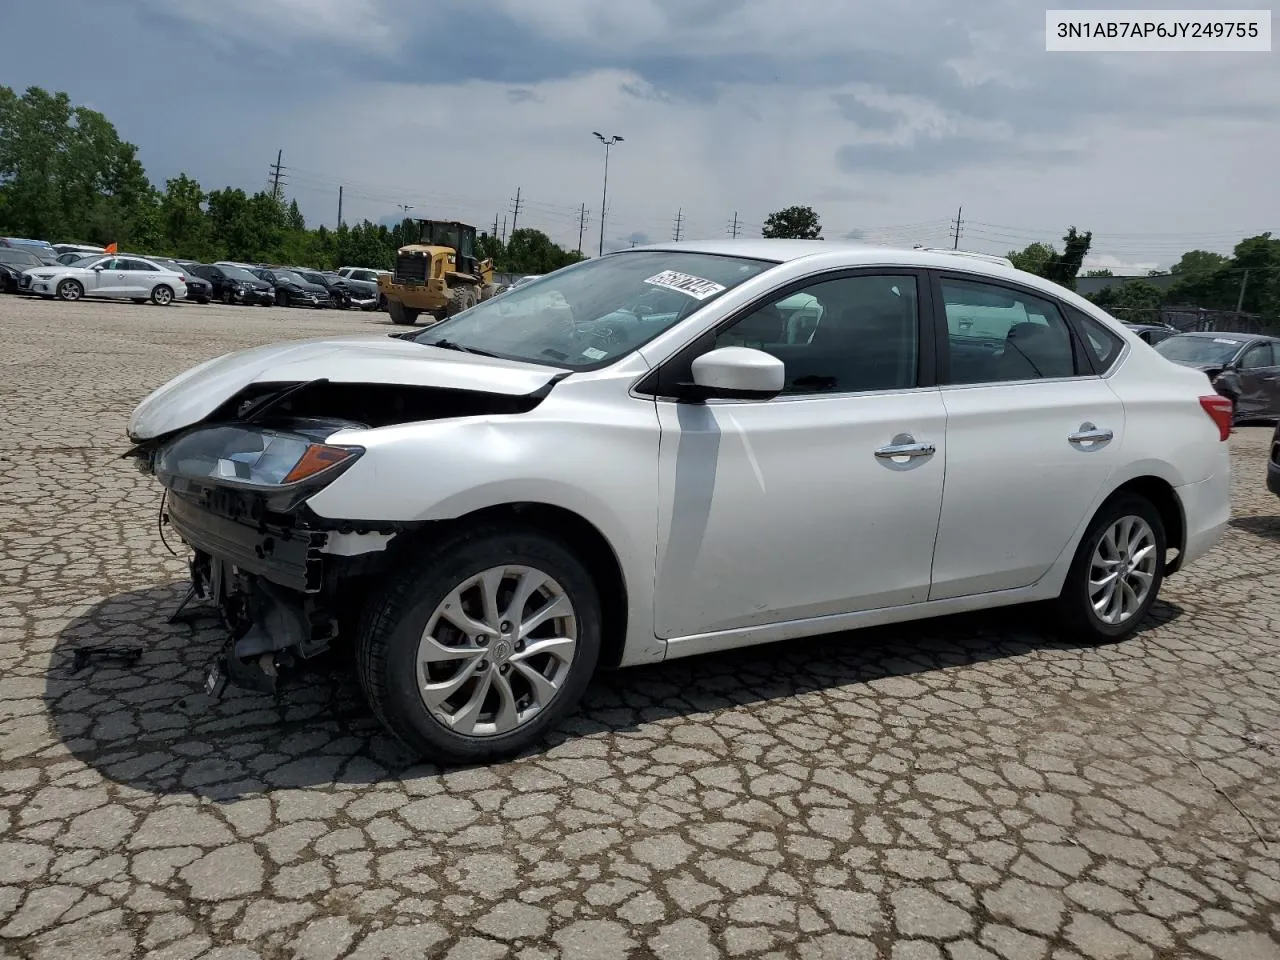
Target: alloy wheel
{"x":496,"y":651}
{"x":1122,"y":570}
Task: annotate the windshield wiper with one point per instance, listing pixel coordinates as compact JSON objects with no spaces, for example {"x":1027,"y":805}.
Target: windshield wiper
{"x":451,"y":345}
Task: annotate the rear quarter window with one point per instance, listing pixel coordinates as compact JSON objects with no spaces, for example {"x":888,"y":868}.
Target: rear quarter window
{"x":1101,"y":345}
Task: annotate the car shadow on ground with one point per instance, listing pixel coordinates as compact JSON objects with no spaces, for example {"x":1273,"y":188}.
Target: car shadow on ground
{"x":1259,"y":526}
{"x":150,"y":726}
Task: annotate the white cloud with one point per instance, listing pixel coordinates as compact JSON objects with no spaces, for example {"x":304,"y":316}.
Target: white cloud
{"x":1145,"y":193}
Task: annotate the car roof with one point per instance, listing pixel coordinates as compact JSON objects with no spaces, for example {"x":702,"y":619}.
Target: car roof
{"x":1228,"y":333}
{"x":856,"y":254}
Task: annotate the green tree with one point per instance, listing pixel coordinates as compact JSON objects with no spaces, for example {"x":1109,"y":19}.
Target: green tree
{"x":532,"y":251}
{"x":1101,"y":272}
{"x":293,"y":219}
{"x":1033,"y":257}
{"x":490,"y":247}
{"x":65,"y":173}
{"x":1137,"y":301}
{"x":182,"y":216}
{"x":1063,"y":268}
{"x":1198,"y":262}
{"x":796,"y":223}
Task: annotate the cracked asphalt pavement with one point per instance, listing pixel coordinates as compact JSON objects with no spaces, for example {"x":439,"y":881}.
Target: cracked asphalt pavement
{"x":966,"y":788}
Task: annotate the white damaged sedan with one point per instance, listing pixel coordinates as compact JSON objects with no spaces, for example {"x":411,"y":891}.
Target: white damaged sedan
{"x":673,"y":450}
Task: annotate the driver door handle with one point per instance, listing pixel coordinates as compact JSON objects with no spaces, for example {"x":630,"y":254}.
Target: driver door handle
{"x":1090,"y":436}
{"x":906,"y":446}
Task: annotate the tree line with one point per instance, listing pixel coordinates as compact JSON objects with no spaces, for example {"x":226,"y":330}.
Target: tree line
{"x":67,"y":176}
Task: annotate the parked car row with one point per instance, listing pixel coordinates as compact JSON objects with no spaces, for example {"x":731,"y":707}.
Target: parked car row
{"x":75,"y":271}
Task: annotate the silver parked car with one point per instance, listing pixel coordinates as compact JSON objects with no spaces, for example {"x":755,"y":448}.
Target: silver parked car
{"x":114,"y":277}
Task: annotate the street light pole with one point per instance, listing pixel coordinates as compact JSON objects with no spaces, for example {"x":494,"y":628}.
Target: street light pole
{"x":609,"y":142}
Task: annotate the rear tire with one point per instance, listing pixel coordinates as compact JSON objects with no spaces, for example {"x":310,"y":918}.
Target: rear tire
{"x":161,"y":296}
{"x":390,"y":643}
{"x":138,"y":299}
{"x":400,"y":314}
{"x":1125,"y":532}
{"x":226,"y":297}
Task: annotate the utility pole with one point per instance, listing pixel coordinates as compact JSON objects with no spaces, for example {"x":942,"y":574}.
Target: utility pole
{"x":504,"y":229}
{"x":515,"y":212}
{"x":1243,"y":281}
{"x":495,"y":226}
{"x":955,"y":229}
{"x":276,"y":169}
{"x":604,"y":194}
{"x":339,"y":206}
{"x":733,"y":227}
{"x":582,"y":222}
{"x":679,"y":222}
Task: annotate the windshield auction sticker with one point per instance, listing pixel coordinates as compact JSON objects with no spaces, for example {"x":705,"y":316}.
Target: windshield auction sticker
{"x":690,"y":286}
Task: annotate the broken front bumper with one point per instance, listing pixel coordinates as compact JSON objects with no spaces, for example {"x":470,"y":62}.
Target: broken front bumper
{"x":288,"y":556}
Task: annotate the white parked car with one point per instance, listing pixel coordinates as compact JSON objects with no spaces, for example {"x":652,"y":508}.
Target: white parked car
{"x":364,"y":274}
{"x":701,"y":446}
{"x":116,"y":277}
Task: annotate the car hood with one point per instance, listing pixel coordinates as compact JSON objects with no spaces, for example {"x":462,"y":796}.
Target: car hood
{"x":376,"y":359}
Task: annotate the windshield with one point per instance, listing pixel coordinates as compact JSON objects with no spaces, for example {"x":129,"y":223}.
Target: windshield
{"x":242,"y":276}
{"x":1203,"y":350}
{"x":597,"y":311}
{"x":9,"y":255}
{"x":368,"y":276}
{"x":288,"y":276}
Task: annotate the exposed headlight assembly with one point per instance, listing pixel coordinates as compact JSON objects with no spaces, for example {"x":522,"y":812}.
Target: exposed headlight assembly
{"x":252,"y":457}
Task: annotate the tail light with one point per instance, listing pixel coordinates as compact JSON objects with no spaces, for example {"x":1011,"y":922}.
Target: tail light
{"x":1219,"y":410}
{"x":182,"y":277}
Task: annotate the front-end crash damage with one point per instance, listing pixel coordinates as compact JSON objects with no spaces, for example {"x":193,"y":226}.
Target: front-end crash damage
{"x":285,"y":581}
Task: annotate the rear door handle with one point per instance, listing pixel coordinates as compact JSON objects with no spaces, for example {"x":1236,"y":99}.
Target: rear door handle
{"x":1091,"y":436}
{"x":905,"y":446}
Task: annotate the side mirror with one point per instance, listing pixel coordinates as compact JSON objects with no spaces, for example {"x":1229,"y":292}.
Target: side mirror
{"x":736,"y":373}
{"x":98,"y":268}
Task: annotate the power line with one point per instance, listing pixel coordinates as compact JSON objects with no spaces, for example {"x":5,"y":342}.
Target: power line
{"x":277,"y":169}
{"x":515,"y":211}
{"x":679,"y":222}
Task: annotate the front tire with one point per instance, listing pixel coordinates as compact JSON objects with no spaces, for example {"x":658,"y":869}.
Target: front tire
{"x":478,"y":650}
{"x":400,"y":314}
{"x":1117,"y":572}
{"x":161,"y":296}
{"x":70,"y":290}
{"x":460,"y":298}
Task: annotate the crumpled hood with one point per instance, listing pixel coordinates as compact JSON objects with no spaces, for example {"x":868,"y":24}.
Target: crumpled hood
{"x":191,"y":396}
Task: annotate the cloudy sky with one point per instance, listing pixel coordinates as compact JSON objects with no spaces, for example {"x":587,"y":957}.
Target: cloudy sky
{"x":884,"y":117}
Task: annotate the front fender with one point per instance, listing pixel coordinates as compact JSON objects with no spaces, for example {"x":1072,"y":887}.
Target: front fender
{"x":600,"y":463}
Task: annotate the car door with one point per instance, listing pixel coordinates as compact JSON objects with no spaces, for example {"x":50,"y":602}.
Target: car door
{"x":1033,"y":433}
{"x":1257,"y":372}
{"x":823,"y":500}
{"x":140,"y":277}
{"x":108,"y":278}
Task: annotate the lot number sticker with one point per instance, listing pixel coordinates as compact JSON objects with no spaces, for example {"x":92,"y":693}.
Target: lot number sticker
{"x":695,"y":287}
{"x":594,"y":353}
{"x":1225,"y":340}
